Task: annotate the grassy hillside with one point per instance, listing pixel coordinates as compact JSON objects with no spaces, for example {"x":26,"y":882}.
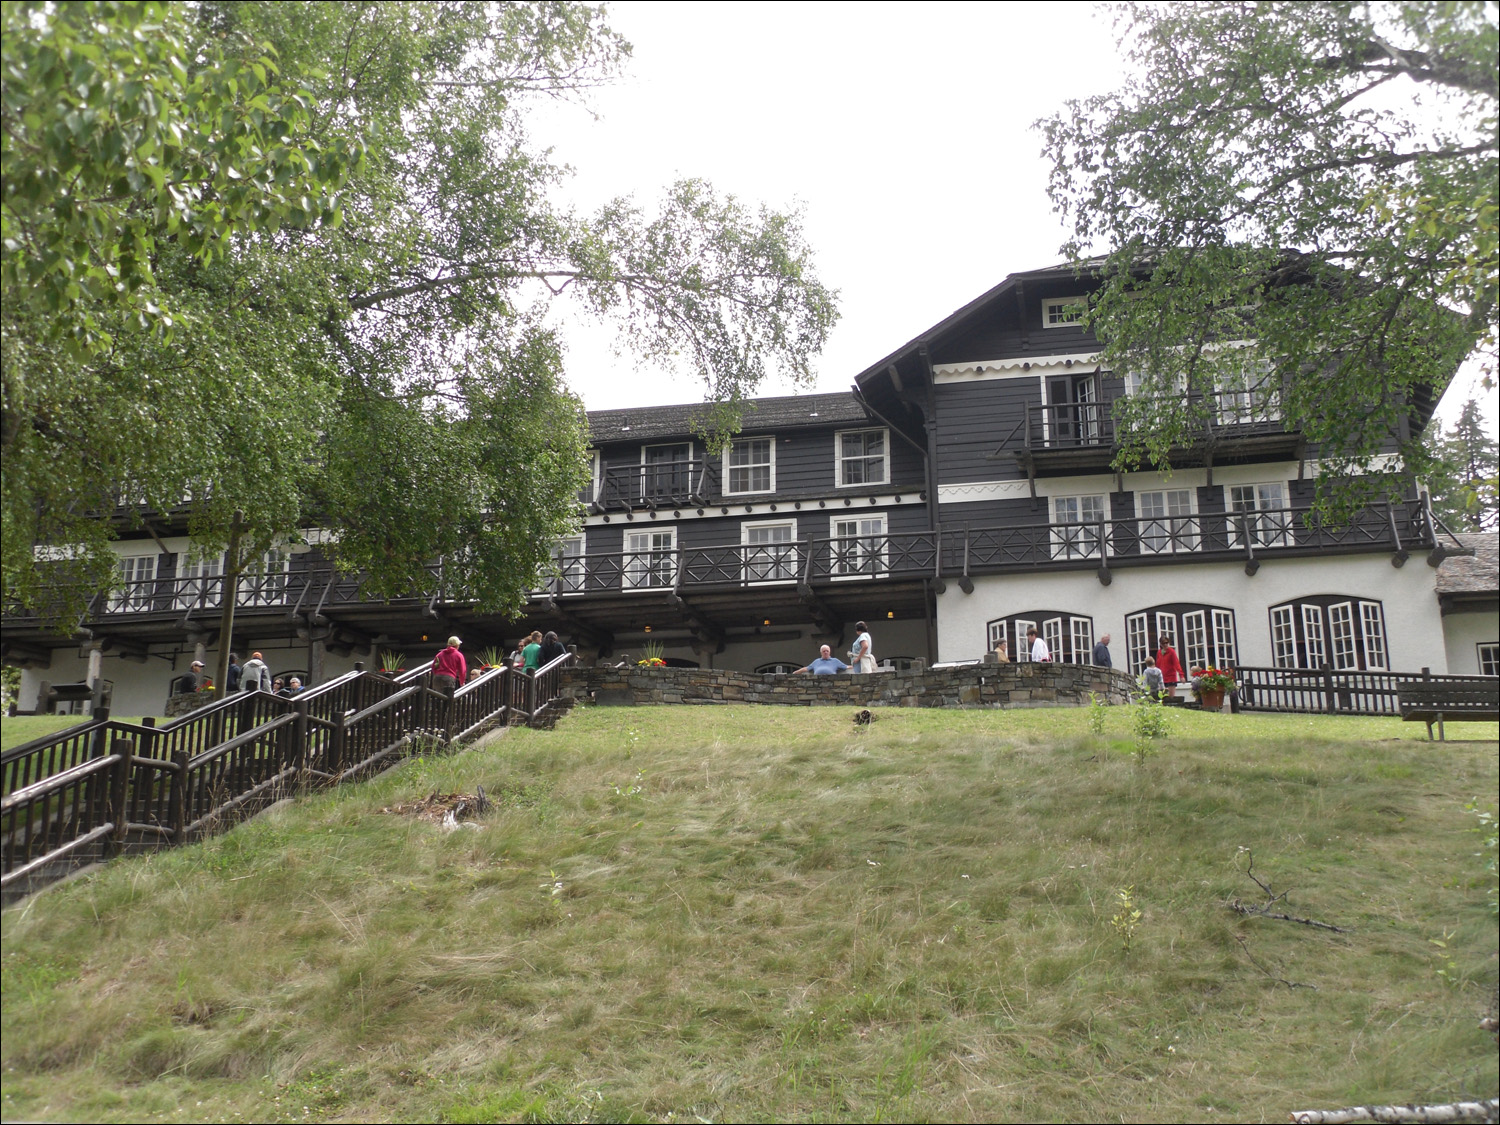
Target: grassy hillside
{"x":765,"y":913}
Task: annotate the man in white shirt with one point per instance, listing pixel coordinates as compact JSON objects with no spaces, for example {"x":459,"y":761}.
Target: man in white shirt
{"x":1039,"y":651}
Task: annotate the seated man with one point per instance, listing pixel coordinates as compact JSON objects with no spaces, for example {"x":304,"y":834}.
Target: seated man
{"x":825,"y":665}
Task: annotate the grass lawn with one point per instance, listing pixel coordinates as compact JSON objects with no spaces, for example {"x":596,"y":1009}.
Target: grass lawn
{"x":756,"y":913}
{"x":18,"y":729}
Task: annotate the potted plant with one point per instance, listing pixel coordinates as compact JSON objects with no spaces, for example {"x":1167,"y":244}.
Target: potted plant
{"x":651,"y":655}
{"x":1210,"y":684}
{"x":491,"y":657}
{"x":393,"y":663}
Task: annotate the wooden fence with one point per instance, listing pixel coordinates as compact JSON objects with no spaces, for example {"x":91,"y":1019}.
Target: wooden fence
{"x":1327,"y":691}
{"x":91,"y":790}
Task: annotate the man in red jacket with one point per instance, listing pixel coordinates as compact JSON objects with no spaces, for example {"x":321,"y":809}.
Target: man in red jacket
{"x":449,"y":668}
{"x":1171,"y":667}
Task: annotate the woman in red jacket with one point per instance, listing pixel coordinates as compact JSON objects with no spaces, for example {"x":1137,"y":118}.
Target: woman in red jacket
{"x":1170,"y":666}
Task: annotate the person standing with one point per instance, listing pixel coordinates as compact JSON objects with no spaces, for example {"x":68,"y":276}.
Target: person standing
{"x":1040,"y":653}
{"x":552,"y":648}
{"x":235,"y":677}
{"x":1101,"y":653}
{"x":449,"y":668}
{"x":532,"y":653}
{"x":862,"y":651}
{"x":1171,"y":667}
{"x":255,"y":676}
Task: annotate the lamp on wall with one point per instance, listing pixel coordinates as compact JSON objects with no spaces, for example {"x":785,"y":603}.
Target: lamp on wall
{"x":648,"y":628}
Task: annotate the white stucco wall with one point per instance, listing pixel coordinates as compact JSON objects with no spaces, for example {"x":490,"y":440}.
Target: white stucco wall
{"x":1414,"y":629}
{"x":1462,"y":634}
{"x":141,"y":689}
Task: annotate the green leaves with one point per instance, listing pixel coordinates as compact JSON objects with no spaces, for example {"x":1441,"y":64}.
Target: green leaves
{"x":1268,"y":176}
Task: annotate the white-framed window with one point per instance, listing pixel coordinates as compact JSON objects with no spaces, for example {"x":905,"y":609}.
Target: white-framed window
{"x":1052,"y":633}
{"x":1262,"y":509}
{"x":1254,"y":397}
{"x":596,"y":462}
{"x":1082,"y":629}
{"x":1330,"y":629}
{"x":1069,"y":637}
{"x":138,"y":584}
{"x":770,"y":550}
{"x":859,"y":546}
{"x":1168,"y":521}
{"x":1283,"y":637}
{"x":750,"y":466}
{"x":199,"y":582}
{"x":650,"y":558}
{"x":265,"y":582}
{"x":995,"y":632}
{"x":1226,"y":647}
{"x":1372,"y":626}
{"x":1064,"y":312}
{"x":1313,"y":634}
{"x":1137,"y":642}
{"x":863,"y":456}
{"x":667,"y":471}
{"x":1073,"y":413}
{"x":568,"y":565}
{"x":1203,"y":635}
{"x":778,"y":668}
{"x":1195,"y":640}
{"x":1489,"y":657}
{"x":1341,"y":629}
{"x":1075,"y":526}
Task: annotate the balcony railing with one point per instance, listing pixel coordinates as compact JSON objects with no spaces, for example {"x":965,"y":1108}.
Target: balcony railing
{"x":1092,"y":425}
{"x":661,"y":485}
{"x":951,"y":553}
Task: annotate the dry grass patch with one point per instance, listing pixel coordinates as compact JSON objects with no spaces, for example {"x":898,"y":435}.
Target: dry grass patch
{"x":764,"y":913}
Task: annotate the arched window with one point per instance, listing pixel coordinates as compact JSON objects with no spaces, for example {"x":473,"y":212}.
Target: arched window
{"x":778,"y":668}
{"x":1203,"y":635}
{"x":1069,"y":636}
{"x":1329,"y":631}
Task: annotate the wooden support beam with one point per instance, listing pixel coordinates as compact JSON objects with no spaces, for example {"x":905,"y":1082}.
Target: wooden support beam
{"x":824,"y":616}
{"x":704,"y":629}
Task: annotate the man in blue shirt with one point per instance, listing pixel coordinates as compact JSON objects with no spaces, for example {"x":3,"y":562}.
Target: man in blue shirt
{"x":826,"y":665}
{"x":1101,"y":653}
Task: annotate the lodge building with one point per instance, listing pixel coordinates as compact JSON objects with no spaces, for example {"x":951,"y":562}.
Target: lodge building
{"x":958,"y":494}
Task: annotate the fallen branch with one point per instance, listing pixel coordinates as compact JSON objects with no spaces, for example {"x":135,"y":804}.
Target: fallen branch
{"x":1453,"y":1111}
{"x":1261,"y":912}
{"x":1245,"y":947}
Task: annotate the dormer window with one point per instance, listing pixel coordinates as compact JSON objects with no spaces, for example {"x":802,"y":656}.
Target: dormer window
{"x":1064,"y":312}
{"x":863,"y":457}
{"x":750,"y":466}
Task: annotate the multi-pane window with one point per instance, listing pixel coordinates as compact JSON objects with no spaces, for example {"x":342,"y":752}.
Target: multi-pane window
{"x":1341,"y":629}
{"x":1326,"y":630}
{"x":1064,"y":312}
{"x":770,"y":551}
{"x":1203,"y":635}
{"x":1252,"y":397}
{"x":1167,"y":521}
{"x":1489,"y":658}
{"x":1076,"y":522}
{"x":137,"y":578}
{"x":1069,"y":637}
{"x":863,"y":457}
{"x":1260,"y":510}
{"x":859,"y":546}
{"x":751,"y":466}
{"x":650,"y":559}
{"x":1372,"y":628}
{"x":200,"y":584}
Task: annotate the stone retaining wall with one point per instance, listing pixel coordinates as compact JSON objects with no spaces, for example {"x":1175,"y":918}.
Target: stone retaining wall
{"x":973,"y":685}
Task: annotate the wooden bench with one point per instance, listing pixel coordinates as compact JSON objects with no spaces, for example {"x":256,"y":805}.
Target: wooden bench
{"x":1473,"y":701}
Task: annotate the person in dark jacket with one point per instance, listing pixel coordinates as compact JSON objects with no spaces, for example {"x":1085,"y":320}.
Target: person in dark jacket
{"x":552,"y":648}
{"x":1101,"y":653}
{"x":236,"y":673}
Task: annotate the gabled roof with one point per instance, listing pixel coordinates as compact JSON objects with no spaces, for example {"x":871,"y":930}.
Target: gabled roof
{"x":787,"y":412}
{"x":1478,"y":573}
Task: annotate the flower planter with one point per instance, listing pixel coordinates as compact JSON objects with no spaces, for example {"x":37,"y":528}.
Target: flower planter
{"x":1211,"y":700}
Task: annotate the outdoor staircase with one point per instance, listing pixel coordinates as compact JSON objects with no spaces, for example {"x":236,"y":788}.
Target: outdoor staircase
{"x":107,"y":787}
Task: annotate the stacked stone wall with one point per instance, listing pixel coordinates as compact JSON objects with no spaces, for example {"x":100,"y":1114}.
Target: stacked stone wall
{"x":973,"y":685}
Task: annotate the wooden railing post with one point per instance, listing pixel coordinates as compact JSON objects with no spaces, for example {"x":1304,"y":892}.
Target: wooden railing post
{"x":450,"y":715}
{"x":119,"y":792}
{"x":177,"y":796}
{"x":1330,"y":705}
{"x":299,"y":746}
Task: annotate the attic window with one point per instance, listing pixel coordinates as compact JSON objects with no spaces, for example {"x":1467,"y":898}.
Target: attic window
{"x":1064,"y":312}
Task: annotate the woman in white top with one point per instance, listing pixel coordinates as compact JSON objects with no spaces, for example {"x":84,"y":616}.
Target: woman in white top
{"x":1039,"y":651}
{"x":862,"y":652}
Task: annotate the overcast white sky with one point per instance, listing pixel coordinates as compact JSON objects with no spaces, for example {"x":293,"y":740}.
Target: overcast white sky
{"x":902,"y":132}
